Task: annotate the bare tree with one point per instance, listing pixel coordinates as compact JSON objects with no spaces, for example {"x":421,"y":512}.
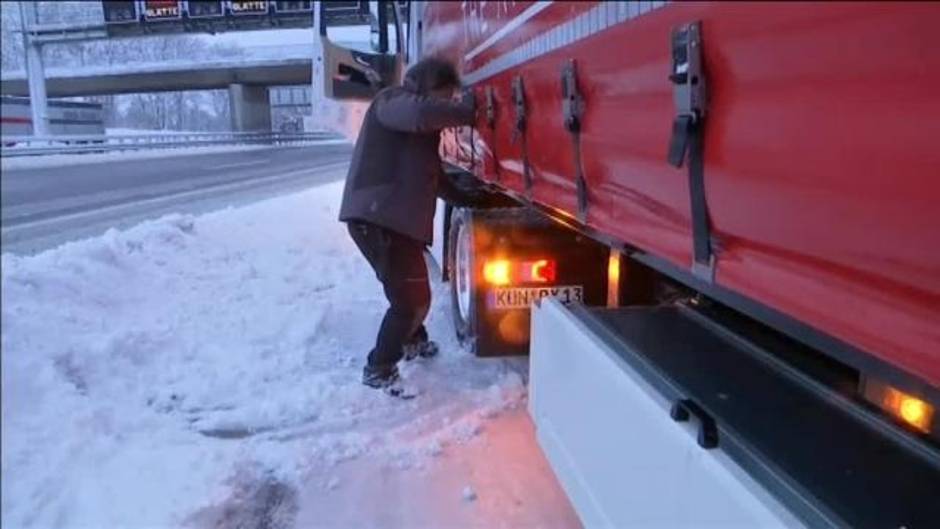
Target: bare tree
{"x":11,"y":40}
{"x":221,"y":110}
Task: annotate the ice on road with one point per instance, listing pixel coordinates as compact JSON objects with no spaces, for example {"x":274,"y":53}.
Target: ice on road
{"x":204,"y":372}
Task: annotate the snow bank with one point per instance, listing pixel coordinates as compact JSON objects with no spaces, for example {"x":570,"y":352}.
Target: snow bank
{"x":60,"y":160}
{"x":152,"y":373}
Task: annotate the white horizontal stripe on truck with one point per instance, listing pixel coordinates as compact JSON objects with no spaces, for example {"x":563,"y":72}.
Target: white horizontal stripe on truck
{"x":510,"y":26}
{"x":589,"y":23}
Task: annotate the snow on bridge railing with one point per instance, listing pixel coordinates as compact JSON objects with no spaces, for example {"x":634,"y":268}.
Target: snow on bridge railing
{"x":69,"y":144}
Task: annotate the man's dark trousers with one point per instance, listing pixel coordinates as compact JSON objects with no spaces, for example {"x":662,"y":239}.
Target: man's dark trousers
{"x":399,"y":264}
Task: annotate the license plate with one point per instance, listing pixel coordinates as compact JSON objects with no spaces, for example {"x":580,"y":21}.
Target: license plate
{"x":520,"y":298}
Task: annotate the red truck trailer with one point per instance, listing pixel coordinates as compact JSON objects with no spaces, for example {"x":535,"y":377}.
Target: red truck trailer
{"x":724,"y":211}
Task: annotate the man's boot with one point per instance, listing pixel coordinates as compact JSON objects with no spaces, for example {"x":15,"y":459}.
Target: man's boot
{"x":379,"y":377}
{"x":423,"y":349}
{"x":420,"y":346}
{"x":388,"y":380}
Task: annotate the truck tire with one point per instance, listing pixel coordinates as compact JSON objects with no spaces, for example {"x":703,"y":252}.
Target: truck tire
{"x":478,"y":234}
{"x":467,"y":225}
{"x":461,"y":265}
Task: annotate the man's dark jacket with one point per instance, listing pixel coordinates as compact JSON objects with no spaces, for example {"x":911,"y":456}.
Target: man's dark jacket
{"x":396,"y":170}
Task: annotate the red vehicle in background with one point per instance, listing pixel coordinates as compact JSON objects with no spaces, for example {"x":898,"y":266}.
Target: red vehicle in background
{"x":728,"y":209}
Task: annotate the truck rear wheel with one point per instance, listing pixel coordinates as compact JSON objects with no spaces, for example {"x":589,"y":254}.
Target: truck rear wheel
{"x":486,"y":319}
{"x":461,"y":265}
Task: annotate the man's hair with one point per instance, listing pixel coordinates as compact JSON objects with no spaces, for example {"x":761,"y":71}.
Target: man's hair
{"x":433,"y":73}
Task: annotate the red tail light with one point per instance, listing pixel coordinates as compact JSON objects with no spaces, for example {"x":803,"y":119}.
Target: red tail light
{"x":503,"y":272}
{"x":541,"y":271}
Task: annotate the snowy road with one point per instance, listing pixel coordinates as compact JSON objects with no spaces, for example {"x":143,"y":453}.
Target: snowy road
{"x":203,"y":372}
{"x":45,"y":203}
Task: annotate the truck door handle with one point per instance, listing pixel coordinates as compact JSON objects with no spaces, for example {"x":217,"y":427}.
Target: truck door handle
{"x":684,"y":409}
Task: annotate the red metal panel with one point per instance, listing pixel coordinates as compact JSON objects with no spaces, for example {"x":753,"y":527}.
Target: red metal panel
{"x":820,"y":164}
{"x":821,"y":169}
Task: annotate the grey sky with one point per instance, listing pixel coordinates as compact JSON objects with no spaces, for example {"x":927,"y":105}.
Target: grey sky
{"x":286,"y":36}
{"x":264,"y":37}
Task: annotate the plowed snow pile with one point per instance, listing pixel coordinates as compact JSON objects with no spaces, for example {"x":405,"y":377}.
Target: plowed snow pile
{"x":173,"y":373}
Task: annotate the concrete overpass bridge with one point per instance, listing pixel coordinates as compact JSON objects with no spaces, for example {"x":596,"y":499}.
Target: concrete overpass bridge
{"x":247,"y":81}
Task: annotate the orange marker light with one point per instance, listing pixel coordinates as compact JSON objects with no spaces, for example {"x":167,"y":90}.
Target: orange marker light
{"x":613,"y":279}
{"x":497,"y":272}
{"x":909,"y":409}
{"x":913,"y":411}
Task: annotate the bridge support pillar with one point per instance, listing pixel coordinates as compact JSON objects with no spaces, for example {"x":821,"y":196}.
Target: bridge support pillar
{"x":35,"y":73}
{"x":250,"y":108}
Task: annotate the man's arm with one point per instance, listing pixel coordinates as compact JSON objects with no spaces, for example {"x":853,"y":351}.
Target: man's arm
{"x":410,"y":112}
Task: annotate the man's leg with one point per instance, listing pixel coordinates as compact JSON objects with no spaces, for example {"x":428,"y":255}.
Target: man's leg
{"x":409,"y":296}
{"x":399,"y":264}
{"x":373,"y":244}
